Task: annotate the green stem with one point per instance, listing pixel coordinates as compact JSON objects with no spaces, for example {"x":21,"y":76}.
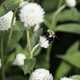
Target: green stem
{"x":10,"y":35}
{"x":60,"y":3}
{"x":60,"y":9}
{"x":48,"y":54}
{"x":11,"y":30}
{"x":33,"y":50}
{"x":28,"y":40}
{"x":2,"y":60}
{"x":54,"y":24}
{"x":55,"y":15}
{"x":49,"y":49}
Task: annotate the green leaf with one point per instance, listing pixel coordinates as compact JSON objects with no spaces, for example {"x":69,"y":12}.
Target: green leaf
{"x":68,"y":15}
{"x":73,"y":59}
{"x":19,"y":49}
{"x":2,"y":11}
{"x":42,"y":62}
{"x":62,"y":70}
{"x":35,"y":37}
{"x":68,"y":59}
{"x":49,"y":5}
{"x":71,"y":28}
{"x":10,"y":57}
{"x":43,"y":59}
{"x":29,"y":65}
{"x":73,"y":55}
{"x":17,"y":77}
{"x":51,"y":19}
{"x":8,"y":5}
{"x":17,"y":34}
{"x":48,"y":20}
{"x":73,"y":48}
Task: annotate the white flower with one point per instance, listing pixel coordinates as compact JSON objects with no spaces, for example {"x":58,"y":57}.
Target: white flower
{"x":41,"y":74}
{"x":65,"y":78}
{"x":19,"y":60}
{"x":44,"y":42}
{"x":0,"y":63}
{"x":32,"y":14}
{"x":5,"y":21}
{"x":71,"y":3}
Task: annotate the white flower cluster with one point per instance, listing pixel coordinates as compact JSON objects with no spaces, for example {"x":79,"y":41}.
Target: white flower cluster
{"x":71,"y":3}
{"x":5,"y":21}
{"x":19,"y":60}
{"x":31,"y":14}
{"x":41,"y":74}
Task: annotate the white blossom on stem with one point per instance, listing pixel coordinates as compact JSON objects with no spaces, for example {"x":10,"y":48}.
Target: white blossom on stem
{"x":41,"y":74}
{"x":32,"y":14}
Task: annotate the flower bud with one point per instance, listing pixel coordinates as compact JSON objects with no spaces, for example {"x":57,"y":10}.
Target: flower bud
{"x":19,"y":60}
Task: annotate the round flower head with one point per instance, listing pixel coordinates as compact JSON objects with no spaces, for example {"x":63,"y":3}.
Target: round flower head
{"x":44,"y":42}
{"x":65,"y":78}
{"x":19,"y":60}
{"x":5,"y":21}
{"x":41,"y":74}
{"x":71,"y":3}
{"x":32,"y":14}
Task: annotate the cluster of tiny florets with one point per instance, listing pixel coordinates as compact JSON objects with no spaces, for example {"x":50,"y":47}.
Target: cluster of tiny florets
{"x":32,"y":14}
{"x":41,"y":74}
